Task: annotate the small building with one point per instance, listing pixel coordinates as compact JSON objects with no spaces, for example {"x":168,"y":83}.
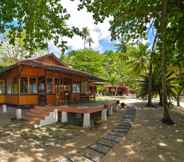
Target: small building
{"x":116,"y":90}
{"x":45,"y":81}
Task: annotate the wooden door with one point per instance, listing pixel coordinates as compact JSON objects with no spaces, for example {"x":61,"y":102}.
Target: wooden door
{"x":59,"y":92}
{"x":42,"y":99}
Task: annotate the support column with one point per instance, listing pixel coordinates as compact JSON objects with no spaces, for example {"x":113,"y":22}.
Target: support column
{"x":28,"y":85}
{"x":19,"y":86}
{"x":104,"y":115}
{"x":86,"y":120}
{"x":64,"y":117}
{"x":37,"y":85}
{"x":18,"y":114}
{"x":56,"y":115}
{"x":4,"y":108}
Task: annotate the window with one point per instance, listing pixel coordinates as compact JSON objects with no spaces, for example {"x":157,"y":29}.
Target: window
{"x":24,"y":86}
{"x":32,"y":86}
{"x":12,"y":87}
{"x":76,"y":88}
{"x":49,"y":86}
{"x":2,"y":87}
{"x":84,"y":87}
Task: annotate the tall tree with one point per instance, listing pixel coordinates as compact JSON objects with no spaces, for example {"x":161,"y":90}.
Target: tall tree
{"x":41,"y":20}
{"x":85,"y":34}
{"x":129,"y":20}
{"x":90,"y":41}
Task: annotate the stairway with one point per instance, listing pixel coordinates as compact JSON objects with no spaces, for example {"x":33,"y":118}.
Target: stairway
{"x":41,"y":115}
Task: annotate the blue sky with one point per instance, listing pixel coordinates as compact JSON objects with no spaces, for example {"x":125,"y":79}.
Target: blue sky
{"x":100,"y":33}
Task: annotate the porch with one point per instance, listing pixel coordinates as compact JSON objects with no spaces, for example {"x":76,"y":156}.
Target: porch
{"x":29,"y":91}
{"x":86,"y":115}
{"x":83,"y":114}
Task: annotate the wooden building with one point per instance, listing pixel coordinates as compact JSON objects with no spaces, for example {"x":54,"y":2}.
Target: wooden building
{"x":44,"y":81}
{"x":116,"y":90}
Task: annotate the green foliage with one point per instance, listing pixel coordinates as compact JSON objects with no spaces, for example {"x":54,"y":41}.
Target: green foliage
{"x":115,"y":67}
{"x":172,"y":85}
{"x":86,"y":60}
{"x":40,"y":20}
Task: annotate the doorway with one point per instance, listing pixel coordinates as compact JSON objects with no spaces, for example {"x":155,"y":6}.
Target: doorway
{"x":42,"y":95}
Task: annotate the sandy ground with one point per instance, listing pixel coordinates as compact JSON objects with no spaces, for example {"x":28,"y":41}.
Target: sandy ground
{"x":21,"y":144}
{"x":148,"y":140}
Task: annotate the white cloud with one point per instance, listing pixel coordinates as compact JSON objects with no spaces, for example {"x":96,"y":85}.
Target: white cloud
{"x":82,"y":19}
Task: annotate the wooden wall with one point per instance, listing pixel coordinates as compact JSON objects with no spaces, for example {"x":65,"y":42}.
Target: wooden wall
{"x":28,"y":100}
{"x":51,"y":99}
{"x":2,"y":99}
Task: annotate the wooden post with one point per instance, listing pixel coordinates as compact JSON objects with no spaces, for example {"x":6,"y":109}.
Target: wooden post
{"x":5,"y":82}
{"x":28,"y":85}
{"x":19,"y":86}
{"x":37,"y":85}
{"x":53,"y":86}
{"x":63,"y":91}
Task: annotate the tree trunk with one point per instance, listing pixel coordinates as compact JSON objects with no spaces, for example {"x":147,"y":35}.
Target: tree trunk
{"x":150,"y":83}
{"x":166,"y":116}
{"x":178,"y":100}
{"x":160,"y":97}
{"x":150,"y":74}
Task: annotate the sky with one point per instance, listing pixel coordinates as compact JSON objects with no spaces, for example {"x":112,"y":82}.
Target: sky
{"x":100,"y":33}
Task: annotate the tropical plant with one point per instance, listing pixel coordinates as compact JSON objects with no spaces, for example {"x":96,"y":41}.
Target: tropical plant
{"x":89,"y":41}
{"x":172,"y":85}
{"x":129,"y":21}
{"x":85,"y":34}
{"x":39,"y":20}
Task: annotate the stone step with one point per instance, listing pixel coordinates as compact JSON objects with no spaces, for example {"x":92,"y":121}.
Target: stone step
{"x":106,"y":142}
{"x":100,"y":148}
{"x":92,"y":155}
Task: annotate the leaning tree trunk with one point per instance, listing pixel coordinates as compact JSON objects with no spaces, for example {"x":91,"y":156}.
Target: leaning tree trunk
{"x":178,"y":100}
{"x":150,"y":83}
{"x":160,"y":98}
{"x":166,"y":116}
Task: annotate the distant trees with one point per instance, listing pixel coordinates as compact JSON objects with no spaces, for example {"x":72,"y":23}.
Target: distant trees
{"x":115,"y":67}
{"x":129,"y":21}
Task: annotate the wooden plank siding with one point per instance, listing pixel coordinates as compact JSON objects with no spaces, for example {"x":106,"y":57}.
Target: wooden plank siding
{"x":31,"y":71}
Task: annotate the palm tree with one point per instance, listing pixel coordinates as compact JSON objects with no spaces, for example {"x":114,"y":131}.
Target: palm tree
{"x":139,"y":59}
{"x":172,"y":85}
{"x":121,"y":47}
{"x":85,"y":34}
{"x":90,"y":41}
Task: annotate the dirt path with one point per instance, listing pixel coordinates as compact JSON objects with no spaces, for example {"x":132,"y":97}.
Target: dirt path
{"x":149,"y":140}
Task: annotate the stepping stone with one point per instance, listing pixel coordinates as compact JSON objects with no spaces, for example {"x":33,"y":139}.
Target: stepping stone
{"x":120,"y":130}
{"x":118,"y":134}
{"x":123,"y":126}
{"x":100,"y":148}
{"x":106,"y":142}
{"x":112,"y":138}
{"x":93,"y":155}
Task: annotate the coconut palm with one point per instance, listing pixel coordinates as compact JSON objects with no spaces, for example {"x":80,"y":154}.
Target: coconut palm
{"x":89,"y":41}
{"x":85,"y":34}
{"x":139,"y":59}
{"x":172,"y":85}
